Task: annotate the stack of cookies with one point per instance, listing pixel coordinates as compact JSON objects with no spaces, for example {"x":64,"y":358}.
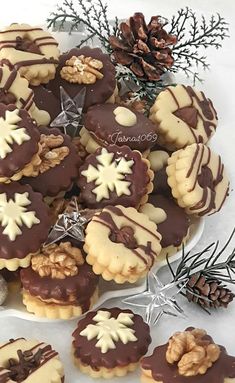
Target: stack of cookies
{"x":143,"y":177}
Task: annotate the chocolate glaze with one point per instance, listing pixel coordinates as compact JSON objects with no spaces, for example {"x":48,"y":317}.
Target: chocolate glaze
{"x":44,"y":99}
{"x":59,"y":178}
{"x":164,"y":372}
{"x":101,"y":124}
{"x":95,"y":93}
{"x":30,"y":239}
{"x":42,"y":61}
{"x":160,"y":184}
{"x":176,"y":225}
{"x":139,"y":179}
{"x":22,"y":154}
{"x":122,"y":355}
{"x":76,"y":290}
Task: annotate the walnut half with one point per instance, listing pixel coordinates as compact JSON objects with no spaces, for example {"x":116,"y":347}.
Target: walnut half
{"x":193,"y":354}
{"x":82,"y":70}
{"x":53,"y":153}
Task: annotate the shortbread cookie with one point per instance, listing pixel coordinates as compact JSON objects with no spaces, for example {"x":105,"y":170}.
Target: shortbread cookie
{"x":121,"y":244}
{"x":190,"y":356}
{"x":59,"y":166}
{"x":59,"y":284}
{"x":24,"y":225}
{"x":183,"y":116}
{"x":171,"y":220}
{"x":19,"y":144}
{"x":29,"y":361}
{"x":31,"y":50}
{"x":14,"y":89}
{"x":115,"y":175}
{"x":198,"y":179}
{"x":87,"y":68}
{"x":110,"y":342}
{"x":109,"y":124}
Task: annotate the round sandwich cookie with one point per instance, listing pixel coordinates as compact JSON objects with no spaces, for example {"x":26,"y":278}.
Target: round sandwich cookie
{"x":172,"y":222}
{"x":183,"y":115}
{"x":87,"y":68}
{"x":19,"y":144}
{"x":59,"y":284}
{"x":115,"y":175}
{"x":190,"y":356}
{"x":26,"y":361}
{"x":110,"y":342}
{"x":107,"y":124}
{"x":24,"y":225}
{"x":121,"y":244}
{"x":198,"y":179}
{"x":31,"y":50}
{"x":59,"y":166}
{"x":15,"y":89}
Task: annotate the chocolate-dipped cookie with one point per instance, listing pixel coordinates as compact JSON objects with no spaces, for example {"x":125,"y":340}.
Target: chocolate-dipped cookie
{"x":189,"y":357}
{"x":115,"y":175}
{"x":121,"y":244}
{"x":107,"y":124}
{"x":110,"y":342}
{"x":24,"y":225}
{"x":171,"y":220}
{"x":15,"y":89}
{"x":44,"y":99}
{"x":26,"y":361}
{"x":89,"y":68}
{"x":59,"y":284}
{"x":59,"y":167}
{"x":158,"y":162}
{"x":19,"y":144}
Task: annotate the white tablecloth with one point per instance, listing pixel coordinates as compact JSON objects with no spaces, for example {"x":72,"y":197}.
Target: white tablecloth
{"x":219,"y":85}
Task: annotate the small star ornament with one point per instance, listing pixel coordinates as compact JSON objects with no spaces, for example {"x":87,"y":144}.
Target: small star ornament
{"x":158,"y":299}
{"x":71,"y":114}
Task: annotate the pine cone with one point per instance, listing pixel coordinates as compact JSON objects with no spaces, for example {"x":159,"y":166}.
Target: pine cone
{"x":210,"y":293}
{"x":144,"y":48}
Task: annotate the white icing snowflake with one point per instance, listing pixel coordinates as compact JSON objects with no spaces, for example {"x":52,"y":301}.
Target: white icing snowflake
{"x":13,"y":214}
{"x":109,"y":330}
{"x":10,"y":132}
{"x":109,"y":175}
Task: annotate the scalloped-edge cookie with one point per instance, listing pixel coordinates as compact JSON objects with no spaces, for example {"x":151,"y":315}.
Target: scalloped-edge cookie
{"x":198,"y":179}
{"x":183,"y":116}
{"x":121,"y":244}
{"x":29,"y":361}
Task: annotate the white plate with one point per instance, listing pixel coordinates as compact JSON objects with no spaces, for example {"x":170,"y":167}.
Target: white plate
{"x":108,"y":290}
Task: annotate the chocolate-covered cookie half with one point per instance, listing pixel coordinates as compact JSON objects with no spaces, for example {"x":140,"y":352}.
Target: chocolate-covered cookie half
{"x":115,"y":175}
{"x":88,"y":68}
{"x":44,"y":99}
{"x":24,"y":225}
{"x":114,"y":124}
{"x":110,"y":342}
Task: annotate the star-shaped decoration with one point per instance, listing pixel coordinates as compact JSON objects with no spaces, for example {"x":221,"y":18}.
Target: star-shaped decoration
{"x":158,"y":299}
{"x":71,"y":224}
{"x":71,"y":114}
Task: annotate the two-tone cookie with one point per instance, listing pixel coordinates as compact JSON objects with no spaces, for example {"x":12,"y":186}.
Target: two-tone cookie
{"x":109,"y":124}
{"x":15,"y":89}
{"x":190,"y":356}
{"x":26,"y":361}
{"x":59,"y":284}
{"x":24,"y":225}
{"x":110,"y":342}
{"x":19,"y":144}
{"x":59,"y":164}
{"x":121,"y":244}
{"x":31,"y":50}
{"x":198,"y":179}
{"x":115,"y":175}
{"x":183,"y":116}
{"x":87,"y":68}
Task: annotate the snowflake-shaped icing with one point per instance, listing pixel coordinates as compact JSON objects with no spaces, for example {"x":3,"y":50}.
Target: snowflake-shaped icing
{"x":109,"y":175}
{"x":108,"y":330}
{"x":14,"y":214}
{"x":10,"y":132}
